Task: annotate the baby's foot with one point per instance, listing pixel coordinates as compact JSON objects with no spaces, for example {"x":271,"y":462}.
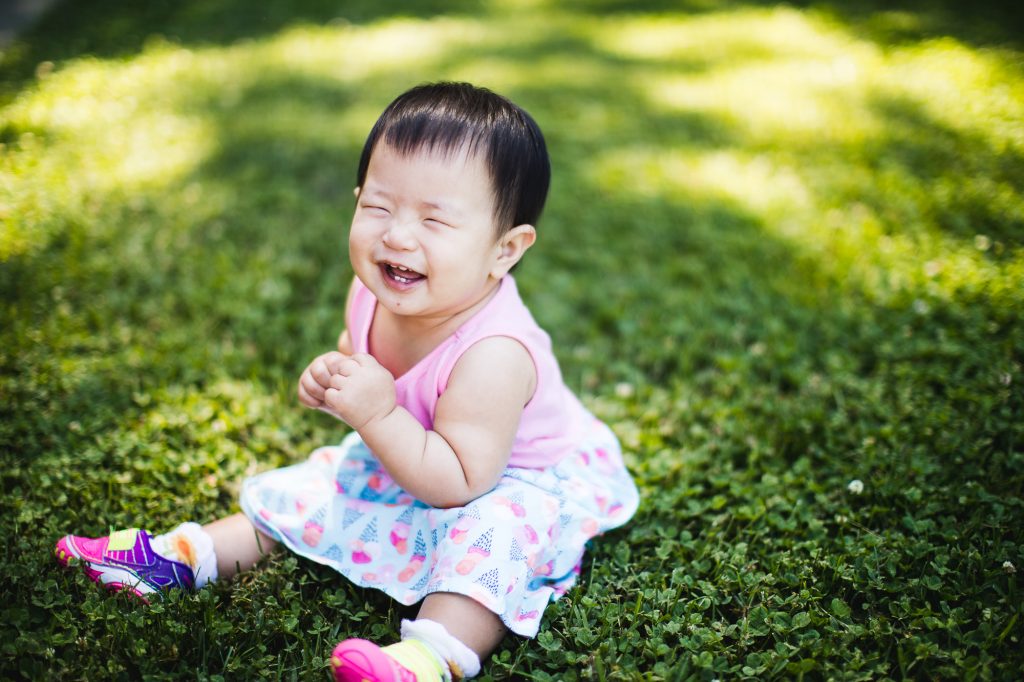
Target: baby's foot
{"x":125,"y":560}
{"x":358,"y":660}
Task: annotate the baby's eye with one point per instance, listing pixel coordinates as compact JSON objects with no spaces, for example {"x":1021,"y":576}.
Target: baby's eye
{"x":437,"y":221}
{"x":380,"y":210}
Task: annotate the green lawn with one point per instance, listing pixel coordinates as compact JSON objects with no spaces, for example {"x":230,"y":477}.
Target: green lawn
{"x":784,"y":251}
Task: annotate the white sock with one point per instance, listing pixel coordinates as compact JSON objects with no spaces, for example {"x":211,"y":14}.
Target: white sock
{"x":462,"y":661}
{"x":191,"y":545}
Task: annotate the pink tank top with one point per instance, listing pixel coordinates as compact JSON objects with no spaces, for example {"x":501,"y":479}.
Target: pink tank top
{"x":553,"y":422}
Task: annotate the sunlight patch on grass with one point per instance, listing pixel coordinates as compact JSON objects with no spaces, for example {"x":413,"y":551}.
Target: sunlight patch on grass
{"x":497,"y":73}
{"x":784,"y":80}
{"x":106,"y":127}
{"x":721,"y":38}
{"x":976,"y":92}
{"x":780,"y":75}
{"x":553,"y":71}
{"x":126,"y":115}
{"x":774,"y":102}
{"x":755,"y":182}
{"x":355,"y":53}
{"x":822,"y":118}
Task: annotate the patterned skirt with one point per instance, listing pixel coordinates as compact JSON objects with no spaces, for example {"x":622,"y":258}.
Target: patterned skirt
{"x":513,"y":550}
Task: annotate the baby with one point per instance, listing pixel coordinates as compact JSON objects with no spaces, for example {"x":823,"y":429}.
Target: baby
{"x":473,"y":477}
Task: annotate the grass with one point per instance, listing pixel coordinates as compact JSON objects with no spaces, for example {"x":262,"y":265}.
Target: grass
{"x":784,"y":251}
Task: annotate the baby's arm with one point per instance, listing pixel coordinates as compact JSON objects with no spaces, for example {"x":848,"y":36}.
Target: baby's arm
{"x":474,"y":424}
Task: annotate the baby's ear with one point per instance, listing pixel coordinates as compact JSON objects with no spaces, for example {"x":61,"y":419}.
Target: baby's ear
{"x":355,"y":191}
{"x":512,"y":245}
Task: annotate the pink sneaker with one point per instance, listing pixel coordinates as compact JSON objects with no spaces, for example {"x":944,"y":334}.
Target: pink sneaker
{"x":359,"y":660}
{"x":124,"y":560}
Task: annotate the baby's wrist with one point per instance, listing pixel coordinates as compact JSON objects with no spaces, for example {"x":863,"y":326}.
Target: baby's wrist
{"x":378,"y":420}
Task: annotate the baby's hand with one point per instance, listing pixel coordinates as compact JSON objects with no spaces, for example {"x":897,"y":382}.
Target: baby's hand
{"x":360,"y":391}
{"x":317,"y":378}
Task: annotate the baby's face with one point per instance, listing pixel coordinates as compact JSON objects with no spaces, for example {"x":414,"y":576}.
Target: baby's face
{"x":423,"y":234}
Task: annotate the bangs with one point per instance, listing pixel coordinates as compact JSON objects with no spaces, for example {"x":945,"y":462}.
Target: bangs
{"x":447,"y":118}
{"x":434,"y":132}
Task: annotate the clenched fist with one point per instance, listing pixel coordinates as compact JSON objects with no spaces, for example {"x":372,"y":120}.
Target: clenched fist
{"x":316,"y":379}
{"x":360,"y":390}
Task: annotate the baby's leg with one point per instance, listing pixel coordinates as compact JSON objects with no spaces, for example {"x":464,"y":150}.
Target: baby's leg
{"x":467,"y":620}
{"x":448,"y":640}
{"x":237,"y":543}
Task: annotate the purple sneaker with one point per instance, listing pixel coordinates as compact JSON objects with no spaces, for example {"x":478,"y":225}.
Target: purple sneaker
{"x":125,"y":560}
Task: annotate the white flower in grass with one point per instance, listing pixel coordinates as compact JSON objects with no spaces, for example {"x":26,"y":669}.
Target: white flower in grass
{"x":856,"y":486}
{"x":1008,"y":567}
{"x":624,"y":390}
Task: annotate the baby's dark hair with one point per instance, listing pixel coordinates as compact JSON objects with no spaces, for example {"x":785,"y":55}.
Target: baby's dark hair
{"x":442,"y":117}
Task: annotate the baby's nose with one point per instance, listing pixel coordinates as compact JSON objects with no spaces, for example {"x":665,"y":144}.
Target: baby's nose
{"x":400,"y":236}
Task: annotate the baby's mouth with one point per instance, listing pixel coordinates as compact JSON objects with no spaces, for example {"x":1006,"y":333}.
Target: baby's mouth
{"x":401,"y":274}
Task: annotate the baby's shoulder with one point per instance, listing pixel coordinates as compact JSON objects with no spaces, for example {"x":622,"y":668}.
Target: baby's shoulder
{"x":495,"y":354}
{"x":493,"y":364}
